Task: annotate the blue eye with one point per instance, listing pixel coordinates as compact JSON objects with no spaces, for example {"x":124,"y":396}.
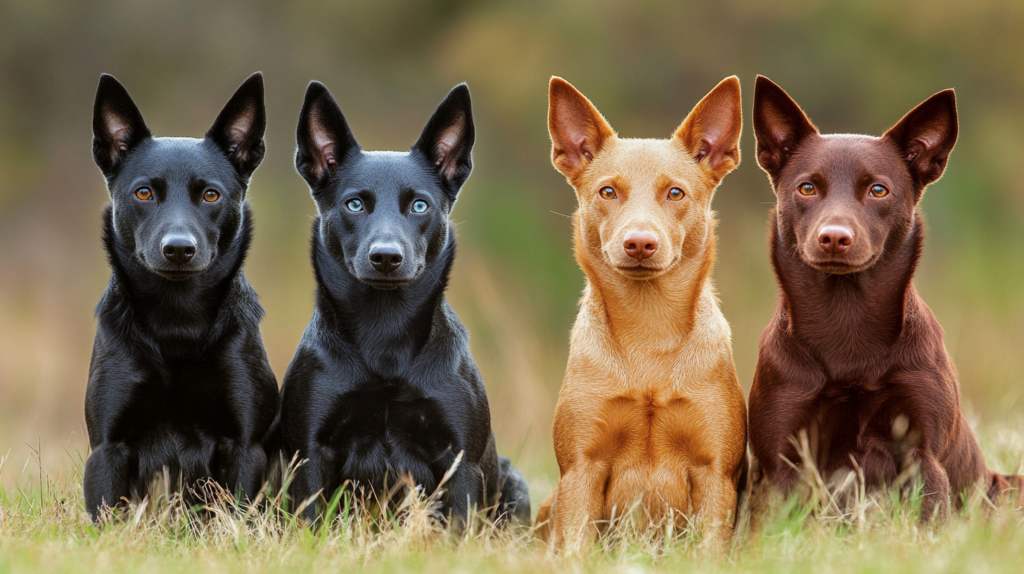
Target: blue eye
{"x":419,"y":206}
{"x":354,"y":205}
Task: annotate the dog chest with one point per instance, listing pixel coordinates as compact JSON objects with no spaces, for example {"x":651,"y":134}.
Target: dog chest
{"x":642,"y":428}
{"x":182,"y":429}
{"x":389,"y":427}
{"x":870,"y":422}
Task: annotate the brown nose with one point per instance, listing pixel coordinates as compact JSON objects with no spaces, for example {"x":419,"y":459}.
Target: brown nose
{"x":640,"y":244}
{"x":835,"y":239}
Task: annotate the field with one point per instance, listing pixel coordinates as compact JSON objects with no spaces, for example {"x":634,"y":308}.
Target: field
{"x":854,"y":67}
{"x":43,"y":527}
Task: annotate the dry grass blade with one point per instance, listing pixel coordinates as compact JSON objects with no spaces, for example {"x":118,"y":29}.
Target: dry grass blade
{"x":841,"y":527}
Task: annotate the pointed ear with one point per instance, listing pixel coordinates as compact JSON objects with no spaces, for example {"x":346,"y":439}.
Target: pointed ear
{"x":711,"y":132}
{"x":577,"y":129}
{"x":239,"y":127}
{"x":447,"y":139}
{"x":323,"y":137}
{"x":117,"y":125}
{"x":779,"y":125}
{"x":926,"y":136}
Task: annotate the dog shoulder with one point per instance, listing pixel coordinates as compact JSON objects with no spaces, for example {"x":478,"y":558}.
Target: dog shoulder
{"x":783,"y":365}
{"x":710,"y":325}
{"x":591,"y":333}
{"x":313,"y":359}
{"x":242,"y":304}
{"x":448,"y":326}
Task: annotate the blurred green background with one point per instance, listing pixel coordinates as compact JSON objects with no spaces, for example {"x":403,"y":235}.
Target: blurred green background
{"x":853,"y":66}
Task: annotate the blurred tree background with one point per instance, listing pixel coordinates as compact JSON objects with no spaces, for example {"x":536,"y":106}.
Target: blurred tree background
{"x":853,"y":66}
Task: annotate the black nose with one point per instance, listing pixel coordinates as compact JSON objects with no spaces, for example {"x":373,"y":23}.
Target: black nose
{"x":385,"y":258}
{"x":177,"y":249}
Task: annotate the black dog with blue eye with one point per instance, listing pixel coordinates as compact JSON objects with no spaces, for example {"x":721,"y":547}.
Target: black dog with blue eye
{"x":179,"y":383}
{"x":382,"y":384}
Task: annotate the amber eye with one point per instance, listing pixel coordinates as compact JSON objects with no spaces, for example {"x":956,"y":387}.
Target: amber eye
{"x":878,"y":191}
{"x":806,"y":189}
{"x":210,"y":196}
{"x":144,"y":193}
{"x":607,"y":193}
{"x":675,"y":194}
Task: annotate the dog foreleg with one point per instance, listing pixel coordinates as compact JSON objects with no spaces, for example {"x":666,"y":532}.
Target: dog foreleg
{"x":714,"y":499}
{"x":936,"y":488}
{"x":464,"y":493}
{"x":248,"y":470}
{"x":579,"y":503}
{"x":105,"y":479}
{"x":308,"y":481}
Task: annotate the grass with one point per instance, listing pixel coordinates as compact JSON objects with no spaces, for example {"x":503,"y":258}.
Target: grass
{"x":43,"y":527}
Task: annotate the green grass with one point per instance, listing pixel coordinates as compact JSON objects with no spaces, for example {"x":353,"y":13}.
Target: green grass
{"x":43,"y":528}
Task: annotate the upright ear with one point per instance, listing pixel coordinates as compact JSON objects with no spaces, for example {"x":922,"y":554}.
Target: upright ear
{"x":117,"y":125}
{"x":711,"y":132}
{"x":239,"y":127}
{"x":779,"y":125}
{"x":323,"y":137}
{"x":577,"y":129}
{"x":447,"y":139}
{"x":926,"y":136}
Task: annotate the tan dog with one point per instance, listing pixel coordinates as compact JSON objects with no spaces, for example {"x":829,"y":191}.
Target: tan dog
{"x":650,"y":410}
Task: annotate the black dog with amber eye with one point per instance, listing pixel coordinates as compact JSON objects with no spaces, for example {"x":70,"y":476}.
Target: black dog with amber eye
{"x":179,"y":380}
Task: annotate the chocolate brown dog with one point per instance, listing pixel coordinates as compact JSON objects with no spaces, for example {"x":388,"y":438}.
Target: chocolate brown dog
{"x":853,"y":354}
